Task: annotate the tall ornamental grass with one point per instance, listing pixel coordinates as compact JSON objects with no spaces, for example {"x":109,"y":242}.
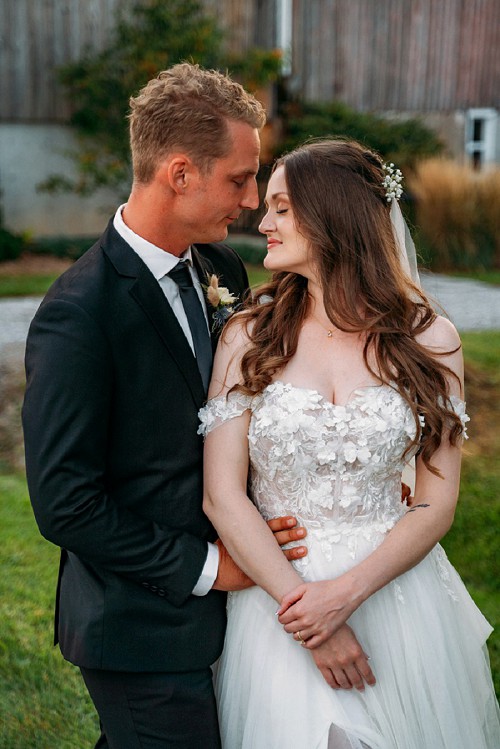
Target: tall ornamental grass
{"x":457,"y":215}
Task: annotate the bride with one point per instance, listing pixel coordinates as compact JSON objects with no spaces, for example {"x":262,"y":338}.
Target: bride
{"x":323,"y":389}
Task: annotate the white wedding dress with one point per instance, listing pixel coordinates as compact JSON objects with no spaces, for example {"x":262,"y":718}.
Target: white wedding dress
{"x":337,"y":469}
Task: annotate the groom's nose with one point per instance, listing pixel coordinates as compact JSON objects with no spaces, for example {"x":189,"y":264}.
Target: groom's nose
{"x":251,"y":196}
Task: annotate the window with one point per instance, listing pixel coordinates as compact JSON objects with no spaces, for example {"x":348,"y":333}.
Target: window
{"x":481,"y":137}
{"x":284,"y":33}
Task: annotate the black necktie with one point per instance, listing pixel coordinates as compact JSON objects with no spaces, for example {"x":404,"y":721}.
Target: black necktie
{"x":196,"y":319}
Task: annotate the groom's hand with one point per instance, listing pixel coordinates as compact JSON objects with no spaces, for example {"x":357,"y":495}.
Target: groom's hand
{"x":285,"y":530}
{"x":406,"y":494}
{"x":229,"y":575}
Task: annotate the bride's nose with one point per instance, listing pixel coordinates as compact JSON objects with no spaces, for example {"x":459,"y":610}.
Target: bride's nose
{"x":266,"y":225}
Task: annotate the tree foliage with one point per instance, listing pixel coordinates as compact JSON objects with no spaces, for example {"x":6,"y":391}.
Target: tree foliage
{"x":405,"y":142}
{"x":150,"y":37}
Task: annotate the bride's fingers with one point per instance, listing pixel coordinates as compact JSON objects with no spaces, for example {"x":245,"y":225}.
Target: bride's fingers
{"x":329,"y":677}
{"x":308,"y":630}
{"x":311,"y":641}
{"x":364,"y":669}
{"x":354,"y":677}
{"x":342,"y":679}
{"x":288,"y":600}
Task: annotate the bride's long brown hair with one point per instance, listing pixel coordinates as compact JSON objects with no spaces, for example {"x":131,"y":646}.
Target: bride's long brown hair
{"x":339,"y":205}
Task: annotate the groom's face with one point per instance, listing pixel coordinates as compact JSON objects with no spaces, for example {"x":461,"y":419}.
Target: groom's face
{"x":220,"y":195}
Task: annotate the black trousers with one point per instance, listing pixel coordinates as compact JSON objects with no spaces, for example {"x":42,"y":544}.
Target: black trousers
{"x":154,"y":710}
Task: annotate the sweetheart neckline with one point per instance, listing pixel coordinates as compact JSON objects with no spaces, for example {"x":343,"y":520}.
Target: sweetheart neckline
{"x":326,"y":400}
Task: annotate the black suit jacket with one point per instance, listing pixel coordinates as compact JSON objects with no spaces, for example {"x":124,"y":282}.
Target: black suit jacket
{"x":114,"y":462}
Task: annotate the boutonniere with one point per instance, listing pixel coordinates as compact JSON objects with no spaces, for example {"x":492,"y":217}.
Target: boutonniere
{"x":221,"y":300}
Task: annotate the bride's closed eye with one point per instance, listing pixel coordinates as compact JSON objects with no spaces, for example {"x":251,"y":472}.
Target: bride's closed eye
{"x":282,"y":210}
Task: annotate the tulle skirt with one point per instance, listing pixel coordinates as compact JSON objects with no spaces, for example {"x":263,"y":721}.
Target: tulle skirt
{"x":426,"y":641}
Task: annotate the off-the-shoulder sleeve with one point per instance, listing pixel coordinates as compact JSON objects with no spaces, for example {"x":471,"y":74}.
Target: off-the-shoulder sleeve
{"x":458,"y":405}
{"x":221,"y":409}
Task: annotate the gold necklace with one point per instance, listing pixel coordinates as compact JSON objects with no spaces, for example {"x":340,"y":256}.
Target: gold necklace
{"x":329,"y":331}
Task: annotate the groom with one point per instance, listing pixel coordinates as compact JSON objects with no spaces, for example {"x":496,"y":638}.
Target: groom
{"x":118,"y":360}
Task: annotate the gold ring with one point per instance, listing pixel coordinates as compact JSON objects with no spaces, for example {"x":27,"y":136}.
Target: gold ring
{"x":301,"y":640}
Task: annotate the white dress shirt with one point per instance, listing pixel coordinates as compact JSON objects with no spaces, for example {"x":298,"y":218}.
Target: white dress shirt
{"x":160,"y":263}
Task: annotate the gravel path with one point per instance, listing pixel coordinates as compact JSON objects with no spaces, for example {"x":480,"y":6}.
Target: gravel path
{"x":471,"y":305}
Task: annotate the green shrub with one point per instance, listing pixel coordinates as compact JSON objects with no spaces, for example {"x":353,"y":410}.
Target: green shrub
{"x":71,"y":247}
{"x":250,"y":252}
{"x":149,"y":36}
{"x":11,"y":245}
{"x":403,"y":142}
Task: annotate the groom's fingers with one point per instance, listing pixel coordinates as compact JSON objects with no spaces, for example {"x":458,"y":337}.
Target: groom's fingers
{"x":285,"y":530}
{"x":295,"y":553}
{"x":283,"y":523}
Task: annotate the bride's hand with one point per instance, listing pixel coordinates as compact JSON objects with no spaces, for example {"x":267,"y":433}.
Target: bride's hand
{"x":314,"y":611}
{"x":343,"y":662}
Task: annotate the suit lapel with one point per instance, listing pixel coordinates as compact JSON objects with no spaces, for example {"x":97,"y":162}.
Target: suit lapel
{"x":205,"y":269}
{"x":147,"y":293}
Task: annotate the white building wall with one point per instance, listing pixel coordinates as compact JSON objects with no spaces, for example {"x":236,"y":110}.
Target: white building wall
{"x":29,"y":153}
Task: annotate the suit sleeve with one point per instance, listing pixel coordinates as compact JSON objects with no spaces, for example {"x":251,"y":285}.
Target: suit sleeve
{"x":65,"y":421}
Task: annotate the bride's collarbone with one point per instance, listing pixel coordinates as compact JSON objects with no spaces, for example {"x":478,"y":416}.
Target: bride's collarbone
{"x":335,"y":386}
{"x":334,"y":371}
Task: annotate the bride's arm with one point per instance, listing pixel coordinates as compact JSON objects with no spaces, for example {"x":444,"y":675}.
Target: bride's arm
{"x":226,"y":503}
{"x":321,"y":608}
{"x":341,"y":659}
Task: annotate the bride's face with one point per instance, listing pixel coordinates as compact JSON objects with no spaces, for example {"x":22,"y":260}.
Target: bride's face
{"x":287,"y":248}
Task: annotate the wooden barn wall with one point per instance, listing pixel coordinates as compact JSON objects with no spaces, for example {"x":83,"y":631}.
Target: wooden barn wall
{"x":402,"y":55}
{"x":37,"y":36}
{"x":246,"y":23}
{"x":406,"y":55}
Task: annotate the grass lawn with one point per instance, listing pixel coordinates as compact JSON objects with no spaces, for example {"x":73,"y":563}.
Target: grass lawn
{"x":27,"y":281}
{"x":42,"y":701}
{"x":257,"y":275}
{"x":487,"y":276}
{"x":37,"y":285}
{"x":24,"y":285}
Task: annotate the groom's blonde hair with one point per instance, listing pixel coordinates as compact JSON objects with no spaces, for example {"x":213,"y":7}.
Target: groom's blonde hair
{"x":187,"y":108}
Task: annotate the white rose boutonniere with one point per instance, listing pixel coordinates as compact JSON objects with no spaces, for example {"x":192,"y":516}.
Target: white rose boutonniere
{"x":221,"y":300}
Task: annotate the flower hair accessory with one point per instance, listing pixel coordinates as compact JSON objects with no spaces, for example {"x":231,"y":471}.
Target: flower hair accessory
{"x":392,"y":182}
{"x":221,"y":300}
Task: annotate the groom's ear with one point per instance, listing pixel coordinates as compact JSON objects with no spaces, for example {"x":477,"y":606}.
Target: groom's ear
{"x":178,"y":172}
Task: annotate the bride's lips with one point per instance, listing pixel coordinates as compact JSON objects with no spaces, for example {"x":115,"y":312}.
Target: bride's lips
{"x":272,"y":243}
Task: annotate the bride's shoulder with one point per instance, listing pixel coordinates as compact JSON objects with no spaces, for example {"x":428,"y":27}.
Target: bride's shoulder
{"x":233,"y":343}
{"x":236,"y":334}
{"x":442,"y":341}
{"x":441,"y":336}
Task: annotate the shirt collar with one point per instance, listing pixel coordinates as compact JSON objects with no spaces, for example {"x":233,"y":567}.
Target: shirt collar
{"x":160,"y":262}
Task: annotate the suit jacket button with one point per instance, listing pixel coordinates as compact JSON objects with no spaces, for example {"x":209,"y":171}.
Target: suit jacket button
{"x":153,"y":588}
{"x":145,"y":585}
{"x":161,"y":592}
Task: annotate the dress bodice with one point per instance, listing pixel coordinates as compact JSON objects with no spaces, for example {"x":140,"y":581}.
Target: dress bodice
{"x":337,"y":468}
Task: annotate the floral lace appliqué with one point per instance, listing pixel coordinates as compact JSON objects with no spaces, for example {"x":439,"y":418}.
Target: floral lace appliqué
{"x":337,"y":469}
